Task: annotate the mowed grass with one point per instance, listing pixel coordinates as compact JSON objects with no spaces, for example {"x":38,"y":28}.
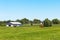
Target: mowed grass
{"x":30,"y":33}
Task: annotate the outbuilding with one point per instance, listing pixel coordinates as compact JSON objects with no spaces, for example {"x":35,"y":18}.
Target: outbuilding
{"x":13,"y":24}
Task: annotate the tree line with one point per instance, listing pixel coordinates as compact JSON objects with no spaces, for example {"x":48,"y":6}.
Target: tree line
{"x":46,"y":22}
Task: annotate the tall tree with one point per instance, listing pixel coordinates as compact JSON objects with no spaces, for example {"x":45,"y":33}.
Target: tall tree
{"x":24,"y":21}
{"x":36,"y":21}
{"x":55,"y":21}
{"x":31,"y":22}
{"x":2,"y":23}
{"x":47,"y":23}
{"x":18,"y":20}
{"x":8,"y":21}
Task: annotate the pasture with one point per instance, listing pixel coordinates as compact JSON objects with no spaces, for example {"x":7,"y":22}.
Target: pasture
{"x":30,"y":33}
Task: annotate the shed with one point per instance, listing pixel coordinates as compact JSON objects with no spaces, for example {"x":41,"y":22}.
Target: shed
{"x":13,"y":24}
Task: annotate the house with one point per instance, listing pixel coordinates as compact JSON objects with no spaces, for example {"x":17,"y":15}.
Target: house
{"x":13,"y":24}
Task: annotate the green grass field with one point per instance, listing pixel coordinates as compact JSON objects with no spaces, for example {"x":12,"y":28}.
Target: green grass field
{"x":30,"y":33}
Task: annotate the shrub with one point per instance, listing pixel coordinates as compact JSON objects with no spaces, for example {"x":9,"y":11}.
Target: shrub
{"x":47,"y":23}
{"x":55,"y":21}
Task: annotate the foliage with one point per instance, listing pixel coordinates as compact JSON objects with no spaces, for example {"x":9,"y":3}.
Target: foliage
{"x":2,"y":23}
{"x":47,"y":23}
{"x":31,"y":22}
{"x":55,"y":21}
{"x":36,"y":21}
{"x":24,"y":21}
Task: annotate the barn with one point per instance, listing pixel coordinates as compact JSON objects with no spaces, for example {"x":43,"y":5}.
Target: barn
{"x":13,"y":24}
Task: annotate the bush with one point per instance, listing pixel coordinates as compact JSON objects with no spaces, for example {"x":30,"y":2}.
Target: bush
{"x":36,"y":21}
{"x":47,"y":23}
{"x":55,"y":21}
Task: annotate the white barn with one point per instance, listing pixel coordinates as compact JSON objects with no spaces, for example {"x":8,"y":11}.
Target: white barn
{"x":13,"y":24}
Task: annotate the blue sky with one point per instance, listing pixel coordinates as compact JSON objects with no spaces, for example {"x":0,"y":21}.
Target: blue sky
{"x":31,"y":9}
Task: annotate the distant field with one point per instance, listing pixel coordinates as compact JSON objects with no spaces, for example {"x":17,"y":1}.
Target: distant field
{"x":30,"y":33}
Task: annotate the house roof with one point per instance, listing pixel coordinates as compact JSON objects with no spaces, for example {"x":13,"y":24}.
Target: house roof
{"x":15,"y":22}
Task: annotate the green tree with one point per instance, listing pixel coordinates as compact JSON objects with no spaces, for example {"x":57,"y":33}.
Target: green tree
{"x":31,"y":22}
{"x":2,"y":23}
{"x":8,"y":21}
{"x":18,"y":20}
{"x":47,"y":23}
{"x":36,"y":21}
{"x":24,"y":21}
{"x":55,"y":21}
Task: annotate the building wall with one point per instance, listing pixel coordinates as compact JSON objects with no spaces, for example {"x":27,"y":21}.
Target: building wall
{"x":12,"y":25}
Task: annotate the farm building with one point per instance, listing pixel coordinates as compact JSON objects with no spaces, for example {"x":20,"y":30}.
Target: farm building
{"x":13,"y":24}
